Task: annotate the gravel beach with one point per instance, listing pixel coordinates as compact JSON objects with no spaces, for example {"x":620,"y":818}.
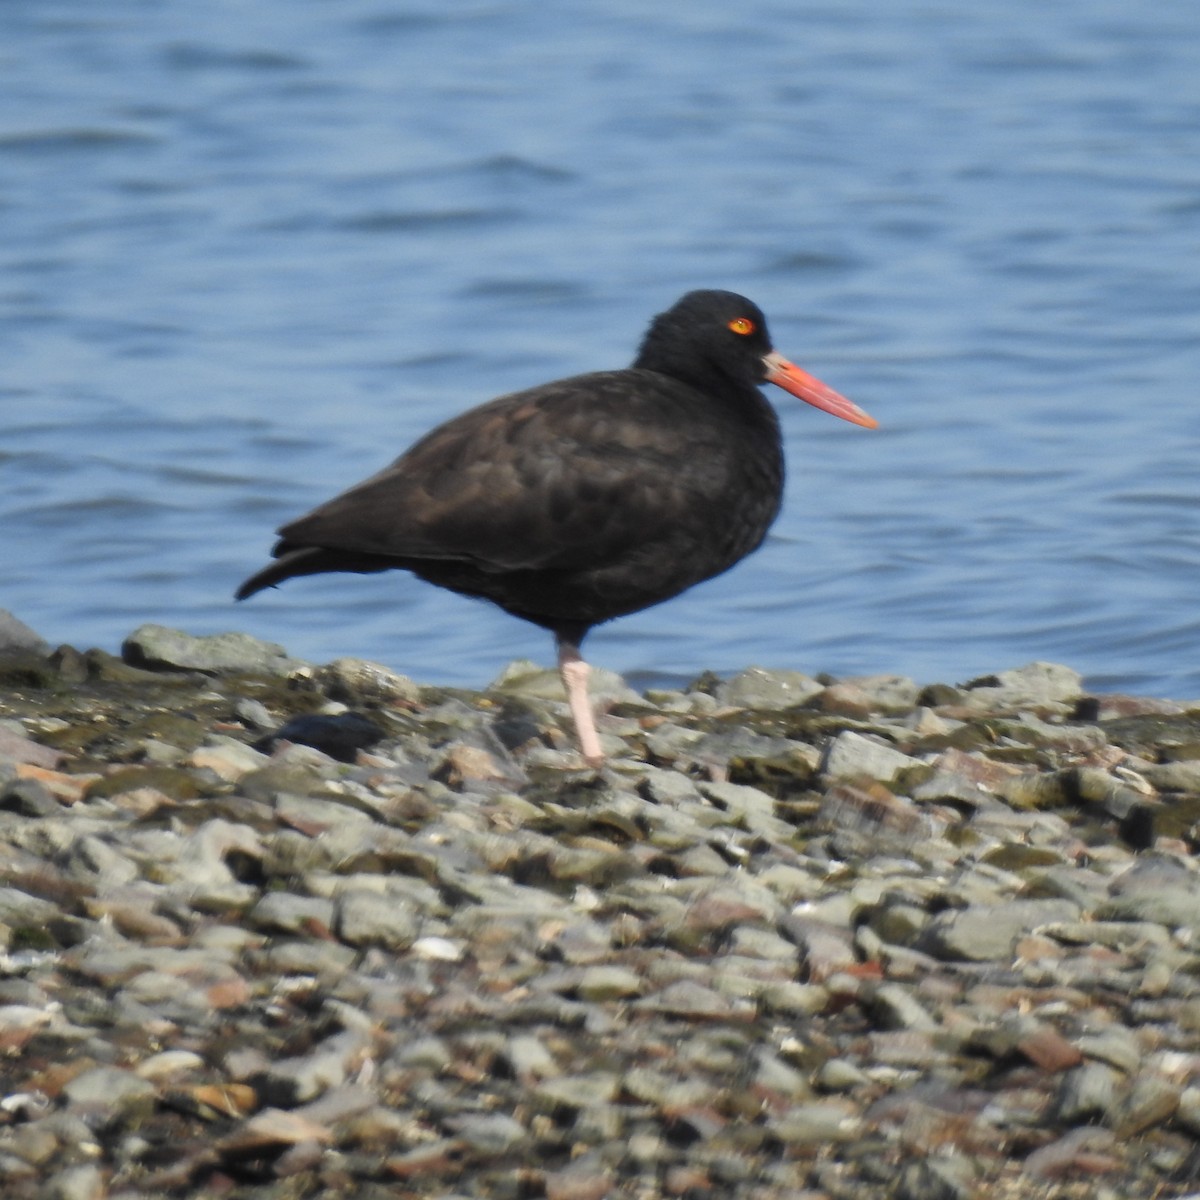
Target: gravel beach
{"x":273,"y":929}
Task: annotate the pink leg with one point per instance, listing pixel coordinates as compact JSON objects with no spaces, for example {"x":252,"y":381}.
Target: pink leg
{"x":574,"y":671}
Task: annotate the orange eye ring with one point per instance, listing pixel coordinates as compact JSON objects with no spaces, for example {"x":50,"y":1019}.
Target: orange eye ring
{"x":742,"y":325}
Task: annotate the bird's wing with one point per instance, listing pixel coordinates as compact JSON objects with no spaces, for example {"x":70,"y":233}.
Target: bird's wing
{"x":568,"y":474}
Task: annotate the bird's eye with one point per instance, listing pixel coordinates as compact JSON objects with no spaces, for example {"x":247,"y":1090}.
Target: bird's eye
{"x":742,"y":325}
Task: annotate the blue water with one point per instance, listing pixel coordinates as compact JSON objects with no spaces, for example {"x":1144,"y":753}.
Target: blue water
{"x":249,"y":252}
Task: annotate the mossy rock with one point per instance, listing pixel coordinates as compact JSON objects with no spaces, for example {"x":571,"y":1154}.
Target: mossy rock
{"x":1019,"y":858}
{"x":27,"y":670}
{"x":171,"y":781}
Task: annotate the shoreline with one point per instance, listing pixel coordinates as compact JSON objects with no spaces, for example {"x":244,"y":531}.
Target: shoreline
{"x":798,"y":938}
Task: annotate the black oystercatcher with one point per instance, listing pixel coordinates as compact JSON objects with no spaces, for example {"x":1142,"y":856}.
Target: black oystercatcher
{"x":585,"y":499}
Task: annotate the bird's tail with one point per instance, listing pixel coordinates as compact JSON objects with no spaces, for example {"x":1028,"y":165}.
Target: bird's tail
{"x":310,"y":560}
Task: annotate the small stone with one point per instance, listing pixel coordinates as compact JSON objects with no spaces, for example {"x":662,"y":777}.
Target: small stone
{"x":273,"y":1127}
{"x":1087,"y":1092}
{"x":602,"y":983}
{"x":825,"y":947}
{"x":757,"y":688}
{"x":82,"y":1182}
{"x":358,"y":681}
{"x":339,"y":735}
{"x":111,"y":1087}
{"x":940,"y":1177}
{"x":462,"y":763}
{"x":366,"y":918}
{"x":292,"y":1081}
{"x":1083,"y":1148}
{"x":574,"y":1092}
{"x":1188,"y":1112}
{"x":762,"y":943}
{"x":578,"y":1182}
{"x":687,"y":999}
{"x":28,"y":798}
{"x":16,"y":748}
{"x":839,"y":1075}
{"x":1045,"y":1047}
{"x":66,"y":788}
{"x":169,"y":1064}
{"x":529,"y":1059}
{"x":873,"y":813}
{"x":283,"y":912}
{"x":254,"y":714}
{"x":439,"y":949}
{"x":895,"y":1007}
{"x":736,"y":798}
{"x":987,"y":932}
{"x":851,"y":754}
{"x":830,"y":1121}
{"x":1150,"y":1101}
{"x":488,"y":1133}
{"x":525,"y":678}
{"x":228,"y":760}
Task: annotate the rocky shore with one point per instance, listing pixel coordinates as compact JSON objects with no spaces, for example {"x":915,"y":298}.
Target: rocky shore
{"x":270,"y":929}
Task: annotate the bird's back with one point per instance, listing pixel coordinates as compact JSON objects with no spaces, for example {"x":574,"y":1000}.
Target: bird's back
{"x":577,"y":501}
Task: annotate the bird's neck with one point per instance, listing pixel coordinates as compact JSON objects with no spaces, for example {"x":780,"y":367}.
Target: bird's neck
{"x":702,"y":375}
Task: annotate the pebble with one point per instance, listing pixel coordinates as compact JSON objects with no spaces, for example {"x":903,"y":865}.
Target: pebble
{"x":799,"y":938}
{"x":852,"y":754}
{"x":770,"y":690}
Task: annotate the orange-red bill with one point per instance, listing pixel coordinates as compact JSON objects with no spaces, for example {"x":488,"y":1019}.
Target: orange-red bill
{"x":812,"y":391}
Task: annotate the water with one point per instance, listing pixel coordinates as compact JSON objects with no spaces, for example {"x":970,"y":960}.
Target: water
{"x":249,"y":252}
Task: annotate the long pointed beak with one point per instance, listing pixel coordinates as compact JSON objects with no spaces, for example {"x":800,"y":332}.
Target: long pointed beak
{"x":812,"y":391}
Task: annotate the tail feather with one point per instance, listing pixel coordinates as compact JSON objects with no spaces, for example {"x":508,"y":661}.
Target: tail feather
{"x":310,"y":560}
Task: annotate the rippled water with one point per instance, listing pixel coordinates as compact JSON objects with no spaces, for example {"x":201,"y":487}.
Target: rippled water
{"x":249,"y":252}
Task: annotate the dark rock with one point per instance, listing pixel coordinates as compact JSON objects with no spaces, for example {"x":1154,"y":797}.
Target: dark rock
{"x":1137,"y":827}
{"x":341,"y":735}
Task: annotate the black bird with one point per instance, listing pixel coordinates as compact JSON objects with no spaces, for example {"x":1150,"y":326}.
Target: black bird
{"x":588,"y":498}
